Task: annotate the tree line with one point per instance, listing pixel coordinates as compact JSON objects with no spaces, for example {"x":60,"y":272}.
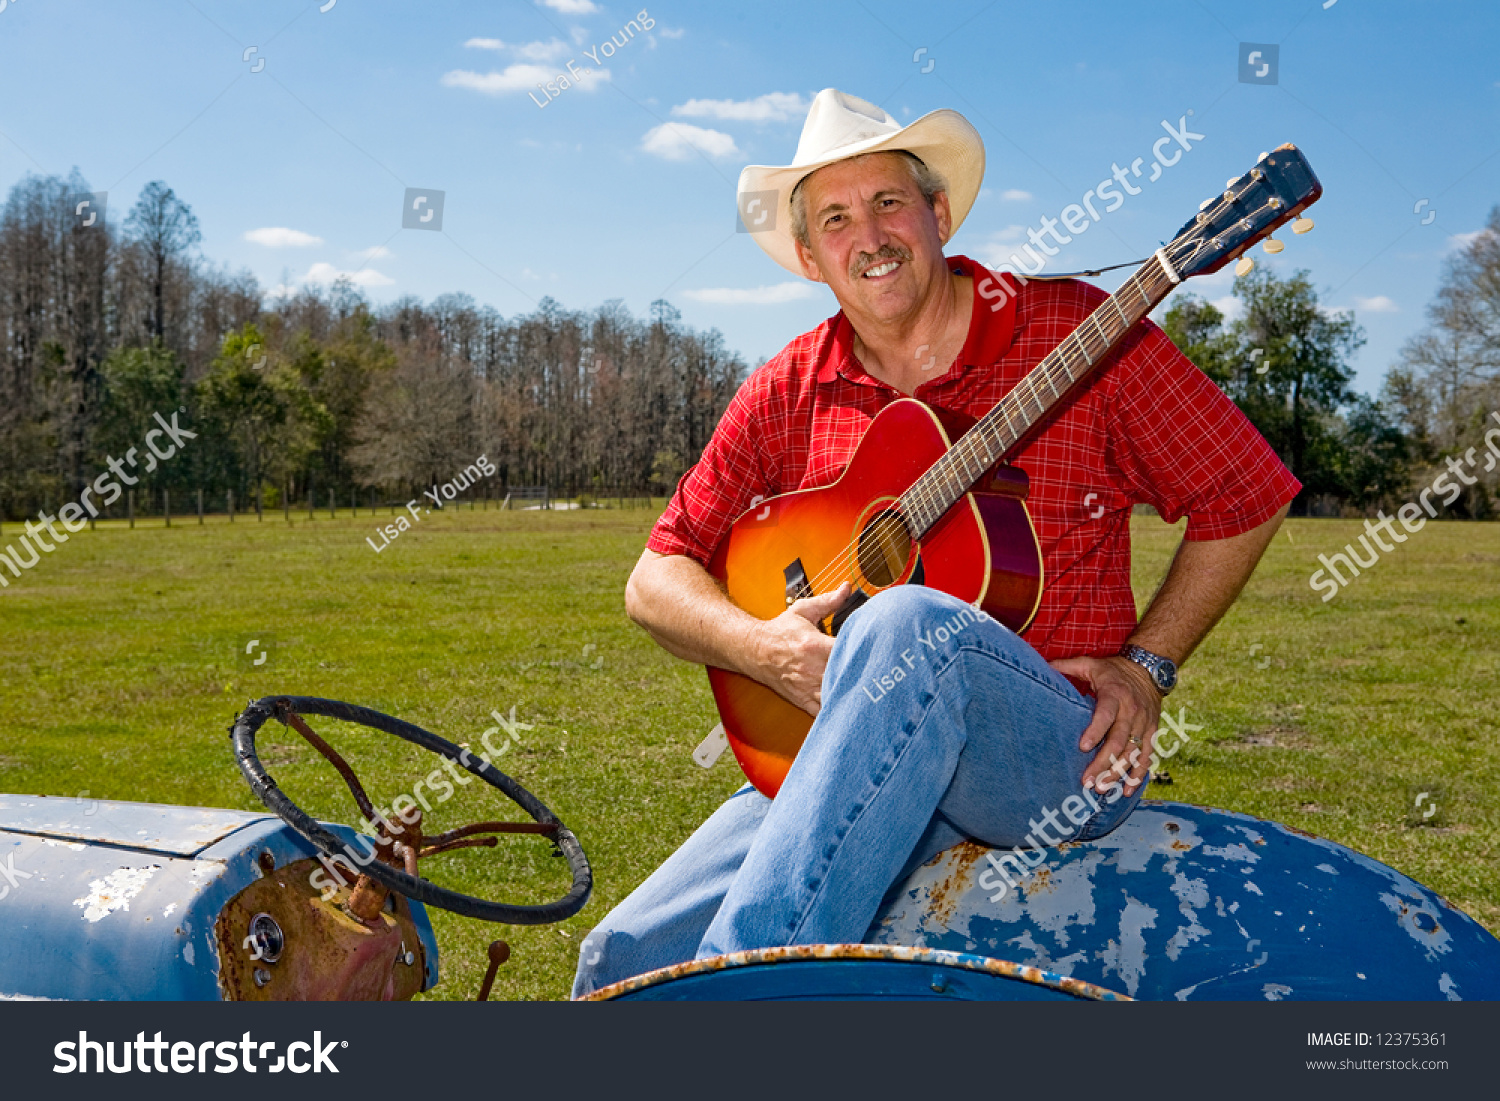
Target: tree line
{"x":1285,"y":363}
{"x":302,"y":393}
{"x":299,"y":394}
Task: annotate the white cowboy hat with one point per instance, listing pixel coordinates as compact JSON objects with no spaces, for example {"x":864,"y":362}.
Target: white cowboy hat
{"x":839,"y":126}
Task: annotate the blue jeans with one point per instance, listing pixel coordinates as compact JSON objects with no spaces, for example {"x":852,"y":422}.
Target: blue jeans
{"x":937,"y":725}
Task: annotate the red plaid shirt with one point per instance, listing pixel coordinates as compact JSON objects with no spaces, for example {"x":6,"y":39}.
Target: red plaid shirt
{"x":1150,"y":427}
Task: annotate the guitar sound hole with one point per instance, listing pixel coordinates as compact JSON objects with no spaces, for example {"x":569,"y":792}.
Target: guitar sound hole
{"x":885,"y":547}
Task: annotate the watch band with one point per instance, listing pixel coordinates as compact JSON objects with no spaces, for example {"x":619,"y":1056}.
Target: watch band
{"x":1163,"y":670}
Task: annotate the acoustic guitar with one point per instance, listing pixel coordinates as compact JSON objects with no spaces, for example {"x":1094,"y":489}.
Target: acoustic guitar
{"x":928,"y":499}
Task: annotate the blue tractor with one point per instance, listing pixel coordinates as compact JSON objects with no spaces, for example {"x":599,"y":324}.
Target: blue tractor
{"x":121,"y":901}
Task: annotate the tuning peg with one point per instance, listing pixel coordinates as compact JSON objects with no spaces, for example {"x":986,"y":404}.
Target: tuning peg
{"x":1205,"y":204}
{"x":1302,"y":225}
{"x":1231,"y":181}
{"x":1262,"y":157}
{"x":1272,"y":245}
{"x":1245,"y":266}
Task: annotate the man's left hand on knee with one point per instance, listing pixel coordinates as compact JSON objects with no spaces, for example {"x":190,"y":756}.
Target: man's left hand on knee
{"x":1127,"y":712}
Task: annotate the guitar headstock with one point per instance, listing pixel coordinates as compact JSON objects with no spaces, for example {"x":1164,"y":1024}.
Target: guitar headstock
{"x":1279,"y":188}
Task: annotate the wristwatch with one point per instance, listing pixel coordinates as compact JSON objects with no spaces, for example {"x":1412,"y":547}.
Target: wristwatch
{"x":1163,"y":670}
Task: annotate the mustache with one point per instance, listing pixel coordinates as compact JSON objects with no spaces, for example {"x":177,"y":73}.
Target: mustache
{"x":867,"y":260}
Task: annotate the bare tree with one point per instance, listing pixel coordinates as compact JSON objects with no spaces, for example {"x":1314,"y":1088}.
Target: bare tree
{"x":164,"y":228}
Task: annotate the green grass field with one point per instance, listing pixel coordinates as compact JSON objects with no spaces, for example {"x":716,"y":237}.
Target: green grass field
{"x":124,"y":665}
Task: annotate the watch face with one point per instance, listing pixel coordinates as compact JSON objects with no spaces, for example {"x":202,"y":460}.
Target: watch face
{"x":1165,"y":674}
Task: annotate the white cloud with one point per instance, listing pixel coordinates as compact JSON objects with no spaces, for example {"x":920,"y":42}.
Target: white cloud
{"x":1379,"y":304}
{"x":520,"y":78}
{"x":997,"y":248}
{"x":375,"y":253}
{"x":672,"y":32}
{"x":1015,"y":195}
{"x":1459,"y":241}
{"x":771,"y":107}
{"x":281,"y":237}
{"x":554,"y":50}
{"x":323,"y":272}
{"x":677,"y":141}
{"x":571,"y":7}
{"x":485,"y":44}
{"x":516,"y":78}
{"x":1230,"y":306}
{"x":771,"y":295}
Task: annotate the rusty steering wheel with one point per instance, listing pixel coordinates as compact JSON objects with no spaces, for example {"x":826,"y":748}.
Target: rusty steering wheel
{"x":394,"y":867}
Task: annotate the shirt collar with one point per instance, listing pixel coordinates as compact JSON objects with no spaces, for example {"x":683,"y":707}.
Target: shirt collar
{"x":991,"y":327}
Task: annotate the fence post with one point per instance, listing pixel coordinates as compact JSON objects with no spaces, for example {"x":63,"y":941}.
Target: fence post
{"x":333,"y":504}
{"x":166,"y":506}
{"x":309,"y":499}
{"x":231,"y":505}
{"x":286,"y":500}
{"x":260,"y":496}
{"x":130,"y":507}
{"x":200,"y":508}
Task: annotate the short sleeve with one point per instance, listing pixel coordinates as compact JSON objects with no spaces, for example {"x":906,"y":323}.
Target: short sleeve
{"x":731,"y":475}
{"x":1186,"y":449}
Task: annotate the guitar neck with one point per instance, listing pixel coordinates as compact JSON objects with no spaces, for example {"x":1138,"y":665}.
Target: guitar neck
{"x":1063,"y":368}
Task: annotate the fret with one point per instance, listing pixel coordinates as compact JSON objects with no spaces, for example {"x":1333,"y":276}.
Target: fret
{"x":1076,"y":339}
{"x":1124,"y":321}
{"x":975,"y":444}
{"x":1030,"y":380}
{"x":1099,"y":328}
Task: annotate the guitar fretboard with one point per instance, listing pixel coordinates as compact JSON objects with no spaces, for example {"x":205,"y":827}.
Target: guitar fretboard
{"x":930,"y":497}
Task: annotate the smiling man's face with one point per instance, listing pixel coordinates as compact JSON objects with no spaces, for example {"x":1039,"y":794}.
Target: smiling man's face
{"x":873,"y":239}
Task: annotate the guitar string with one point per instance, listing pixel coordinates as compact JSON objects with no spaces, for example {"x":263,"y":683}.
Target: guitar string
{"x":919,"y":501}
{"x":920,"y":498}
{"x":926,"y":497}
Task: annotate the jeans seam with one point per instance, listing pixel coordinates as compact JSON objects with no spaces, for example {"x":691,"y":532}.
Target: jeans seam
{"x":827,"y":862}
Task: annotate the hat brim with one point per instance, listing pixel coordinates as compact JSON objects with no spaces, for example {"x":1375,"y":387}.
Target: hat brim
{"x":944,"y":140}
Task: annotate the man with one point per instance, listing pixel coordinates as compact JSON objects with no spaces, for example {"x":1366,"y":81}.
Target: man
{"x":988,"y":730}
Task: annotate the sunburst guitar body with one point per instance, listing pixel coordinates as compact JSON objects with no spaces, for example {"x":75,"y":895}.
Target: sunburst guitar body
{"x":983,"y":551}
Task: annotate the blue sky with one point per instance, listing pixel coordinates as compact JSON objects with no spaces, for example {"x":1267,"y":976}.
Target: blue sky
{"x":623,"y":185}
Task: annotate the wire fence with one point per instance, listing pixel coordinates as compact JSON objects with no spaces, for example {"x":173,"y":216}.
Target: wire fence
{"x":167,"y":508}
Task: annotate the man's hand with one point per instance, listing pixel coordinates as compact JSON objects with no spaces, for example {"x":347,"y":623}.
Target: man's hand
{"x":791,"y":653}
{"x":1127,"y":713}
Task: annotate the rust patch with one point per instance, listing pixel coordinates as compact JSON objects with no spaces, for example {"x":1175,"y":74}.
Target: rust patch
{"x":328,"y":955}
{"x":1181,"y":846}
{"x":945,"y":896}
{"x":1302,"y":833}
{"x":894,"y":952}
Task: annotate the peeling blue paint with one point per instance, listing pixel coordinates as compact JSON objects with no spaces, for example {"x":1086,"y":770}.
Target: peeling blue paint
{"x":1164,"y":908}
